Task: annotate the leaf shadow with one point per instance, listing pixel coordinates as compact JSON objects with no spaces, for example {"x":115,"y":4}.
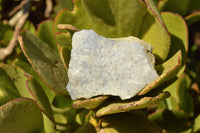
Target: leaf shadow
{"x":95,"y":8}
{"x":177,"y":44}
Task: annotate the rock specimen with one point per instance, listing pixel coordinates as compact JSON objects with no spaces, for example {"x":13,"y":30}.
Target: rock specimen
{"x":102,"y":66}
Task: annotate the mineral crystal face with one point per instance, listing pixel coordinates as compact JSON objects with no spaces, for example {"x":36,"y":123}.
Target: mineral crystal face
{"x":101,"y":66}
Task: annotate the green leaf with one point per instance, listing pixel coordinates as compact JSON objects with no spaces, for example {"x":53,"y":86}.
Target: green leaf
{"x":46,"y":34}
{"x":172,"y":102}
{"x":192,"y":18}
{"x":195,"y":126}
{"x":65,"y":55}
{"x":156,"y":1}
{"x":29,"y":87}
{"x":173,"y":120}
{"x":45,"y":61}
{"x":29,"y":26}
{"x":60,"y":118}
{"x":65,"y":4}
{"x":178,"y":28}
{"x":21,"y":115}
{"x":63,"y":111}
{"x":64,"y":47}
{"x":89,"y":103}
{"x":5,"y":34}
{"x":40,"y":97}
{"x":34,"y":92}
{"x":81,"y":116}
{"x":184,"y":98}
{"x":166,"y":71}
{"x":113,"y":19}
{"x":124,"y":106}
{"x":64,"y":39}
{"x":179,"y":34}
{"x":8,"y":91}
{"x":22,"y":62}
{"x":77,"y":17}
{"x":61,"y":102}
{"x":178,"y":6}
{"x":86,"y":128}
{"x":169,"y":103}
{"x":49,"y":126}
{"x":108,"y":16}
{"x":154,"y":31}
{"x":128,"y":123}
{"x":19,"y":79}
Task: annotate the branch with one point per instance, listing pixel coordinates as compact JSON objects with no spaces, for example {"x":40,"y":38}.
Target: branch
{"x":4,"y":52}
{"x":18,"y":7}
{"x":16,"y":18}
{"x":49,"y":7}
{"x":67,"y":27}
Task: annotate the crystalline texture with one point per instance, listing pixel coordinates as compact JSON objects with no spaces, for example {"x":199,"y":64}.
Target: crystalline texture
{"x":101,"y":66}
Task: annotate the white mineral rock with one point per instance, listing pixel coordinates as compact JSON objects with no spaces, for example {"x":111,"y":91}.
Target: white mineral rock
{"x":101,"y":66}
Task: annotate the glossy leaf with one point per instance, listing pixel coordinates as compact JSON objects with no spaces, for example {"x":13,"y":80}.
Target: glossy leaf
{"x":64,"y":39}
{"x":128,"y":123}
{"x":178,"y":28}
{"x":5,"y":34}
{"x":29,"y":88}
{"x":64,"y":113}
{"x":166,"y":71}
{"x":179,"y":34}
{"x":109,"y":16}
{"x":8,"y":91}
{"x":172,"y":101}
{"x":64,"y":42}
{"x":178,"y":6}
{"x":29,"y":26}
{"x":62,"y":4}
{"x":18,"y":79}
{"x":192,"y":18}
{"x":173,"y":120}
{"x":115,"y":20}
{"x":49,"y":126}
{"x":45,"y":61}
{"x":81,"y":116}
{"x":169,"y":103}
{"x":156,"y":1}
{"x":127,"y":106}
{"x":77,"y":17}
{"x":65,"y":55}
{"x":61,"y":102}
{"x":154,"y":31}
{"x":86,"y":128}
{"x":195,"y":126}
{"x":22,"y":120}
{"x":46,"y":34}
{"x":40,"y":97}
{"x":22,"y":62}
{"x":184,"y":98}
{"x":60,"y":118}
{"x":89,"y":103}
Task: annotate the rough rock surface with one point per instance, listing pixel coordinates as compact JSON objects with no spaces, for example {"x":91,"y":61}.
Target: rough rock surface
{"x":101,"y":66}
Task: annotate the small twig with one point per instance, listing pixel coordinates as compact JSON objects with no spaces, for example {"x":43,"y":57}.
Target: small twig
{"x":49,"y":7}
{"x":16,"y":17}
{"x":18,"y":7}
{"x":67,"y":27}
{"x":4,"y":52}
